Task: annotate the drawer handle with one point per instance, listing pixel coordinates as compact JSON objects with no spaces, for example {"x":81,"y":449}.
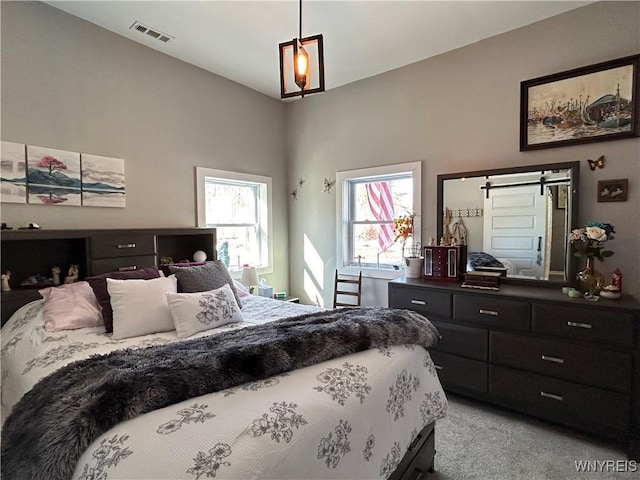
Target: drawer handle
{"x":552,"y":359}
{"x":553,"y":396}
{"x":488,"y":312}
{"x":127,"y":269}
{"x":126,"y":245}
{"x":579,"y":325}
{"x":418,"y":302}
{"x":438,"y":367}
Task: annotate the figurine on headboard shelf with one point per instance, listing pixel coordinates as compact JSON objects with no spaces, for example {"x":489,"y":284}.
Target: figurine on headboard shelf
{"x":72,"y":276}
{"x":5,"y":281}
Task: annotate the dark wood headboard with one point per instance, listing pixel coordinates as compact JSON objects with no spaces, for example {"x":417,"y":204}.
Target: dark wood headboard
{"x":34,"y":252}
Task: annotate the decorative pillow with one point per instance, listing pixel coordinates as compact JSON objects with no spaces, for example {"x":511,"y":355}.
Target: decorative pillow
{"x":196,"y":312}
{"x":164,"y":267}
{"x":99,"y":285}
{"x":205,"y":277}
{"x":140,"y":306}
{"x":69,"y":307}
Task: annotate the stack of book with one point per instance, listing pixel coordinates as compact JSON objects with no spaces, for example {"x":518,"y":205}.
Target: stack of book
{"x":485,"y":280}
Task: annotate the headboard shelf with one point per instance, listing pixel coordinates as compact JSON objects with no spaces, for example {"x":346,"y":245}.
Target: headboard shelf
{"x":35,"y":252}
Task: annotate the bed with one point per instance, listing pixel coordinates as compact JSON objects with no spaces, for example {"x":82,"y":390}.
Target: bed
{"x":365,"y":414}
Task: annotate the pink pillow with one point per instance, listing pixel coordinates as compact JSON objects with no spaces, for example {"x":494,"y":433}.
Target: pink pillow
{"x":69,"y":307}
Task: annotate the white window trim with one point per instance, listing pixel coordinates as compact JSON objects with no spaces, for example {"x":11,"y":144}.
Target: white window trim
{"x":264,"y":210}
{"x":342,"y":211}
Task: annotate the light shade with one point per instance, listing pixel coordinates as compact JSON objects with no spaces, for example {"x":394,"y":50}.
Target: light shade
{"x":294,"y":83}
{"x":249,"y":276}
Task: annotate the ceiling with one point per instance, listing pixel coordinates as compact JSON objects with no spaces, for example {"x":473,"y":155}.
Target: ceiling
{"x":239,"y":39}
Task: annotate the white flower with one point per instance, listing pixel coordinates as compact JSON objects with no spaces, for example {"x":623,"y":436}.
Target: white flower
{"x":596,"y":233}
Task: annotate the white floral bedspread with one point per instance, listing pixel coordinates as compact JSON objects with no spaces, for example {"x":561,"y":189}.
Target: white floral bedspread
{"x":351,"y":417}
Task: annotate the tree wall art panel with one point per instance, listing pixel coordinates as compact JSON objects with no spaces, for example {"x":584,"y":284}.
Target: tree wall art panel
{"x":102,"y":181}
{"x":53,"y":177}
{"x":13,"y":172}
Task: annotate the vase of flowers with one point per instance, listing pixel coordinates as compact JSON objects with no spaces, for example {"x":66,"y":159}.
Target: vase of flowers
{"x":411,"y":258}
{"x":589,"y":242}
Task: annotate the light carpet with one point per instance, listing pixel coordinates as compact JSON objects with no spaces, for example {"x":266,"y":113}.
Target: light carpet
{"x":479,"y":441}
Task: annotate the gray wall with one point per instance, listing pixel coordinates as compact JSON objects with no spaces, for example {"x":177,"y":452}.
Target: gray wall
{"x":71,"y":85}
{"x":459,"y":112}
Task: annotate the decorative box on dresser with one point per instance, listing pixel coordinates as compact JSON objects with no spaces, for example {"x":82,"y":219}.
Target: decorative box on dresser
{"x":538,"y":351}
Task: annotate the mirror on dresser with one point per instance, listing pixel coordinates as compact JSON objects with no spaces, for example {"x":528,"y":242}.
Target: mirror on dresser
{"x":514,"y":220}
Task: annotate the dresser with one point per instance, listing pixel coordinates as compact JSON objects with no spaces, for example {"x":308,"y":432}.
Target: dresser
{"x":34,"y":252}
{"x":538,"y":351}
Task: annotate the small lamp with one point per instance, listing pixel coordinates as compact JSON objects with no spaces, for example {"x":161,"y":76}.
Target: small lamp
{"x":301,"y":65}
{"x":249,"y":277}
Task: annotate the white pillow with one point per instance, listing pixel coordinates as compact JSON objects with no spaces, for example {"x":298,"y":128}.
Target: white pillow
{"x":199,"y":311}
{"x":140,"y":306}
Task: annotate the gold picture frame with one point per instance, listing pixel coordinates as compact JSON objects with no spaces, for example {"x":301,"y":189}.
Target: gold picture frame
{"x":588,"y":104}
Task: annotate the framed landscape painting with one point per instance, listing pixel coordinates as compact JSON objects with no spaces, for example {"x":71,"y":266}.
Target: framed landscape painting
{"x":589,"y":104}
{"x":53,"y":176}
{"x":102,"y":181}
{"x":13,"y":167}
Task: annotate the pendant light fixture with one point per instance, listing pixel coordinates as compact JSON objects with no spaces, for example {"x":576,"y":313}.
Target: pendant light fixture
{"x":301,"y":65}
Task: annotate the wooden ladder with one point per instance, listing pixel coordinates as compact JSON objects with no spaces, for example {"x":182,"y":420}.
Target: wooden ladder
{"x":338,"y":289}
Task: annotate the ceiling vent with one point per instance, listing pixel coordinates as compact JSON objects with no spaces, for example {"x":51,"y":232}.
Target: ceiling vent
{"x":152,"y":32}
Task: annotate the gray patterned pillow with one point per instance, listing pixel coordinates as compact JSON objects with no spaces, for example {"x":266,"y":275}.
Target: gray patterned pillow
{"x":203,"y":278}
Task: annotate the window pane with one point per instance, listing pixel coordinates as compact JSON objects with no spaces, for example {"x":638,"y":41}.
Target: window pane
{"x":229,"y":203}
{"x":376,"y":201}
{"x":371,"y":198}
{"x":237,"y":246}
{"x":238,"y":205}
{"x":366,"y":245}
{"x":400,"y":190}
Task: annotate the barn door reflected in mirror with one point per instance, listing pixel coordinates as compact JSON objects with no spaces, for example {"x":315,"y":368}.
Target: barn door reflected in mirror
{"x":514,"y":220}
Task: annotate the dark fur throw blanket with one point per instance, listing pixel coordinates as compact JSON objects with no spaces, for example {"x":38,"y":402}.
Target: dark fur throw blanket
{"x":55,"y":422}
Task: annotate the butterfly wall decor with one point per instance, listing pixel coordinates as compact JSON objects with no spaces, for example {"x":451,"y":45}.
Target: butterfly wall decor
{"x":328,"y":184}
{"x":599,"y":163}
{"x":294,"y":194}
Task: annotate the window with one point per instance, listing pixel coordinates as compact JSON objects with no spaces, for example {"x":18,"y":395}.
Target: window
{"x":238,"y":205}
{"x":368,"y":201}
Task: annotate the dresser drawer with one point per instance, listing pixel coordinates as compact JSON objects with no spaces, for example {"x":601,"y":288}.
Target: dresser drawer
{"x":582,"y":364}
{"x":122,"y":245}
{"x":599,"y":325}
{"x":454,"y":371}
{"x":466,"y":341}
{"x":122,"y":264}
{"x":421,"y":300}
{"x":487,"y":310}
{"x":558,"y":399}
